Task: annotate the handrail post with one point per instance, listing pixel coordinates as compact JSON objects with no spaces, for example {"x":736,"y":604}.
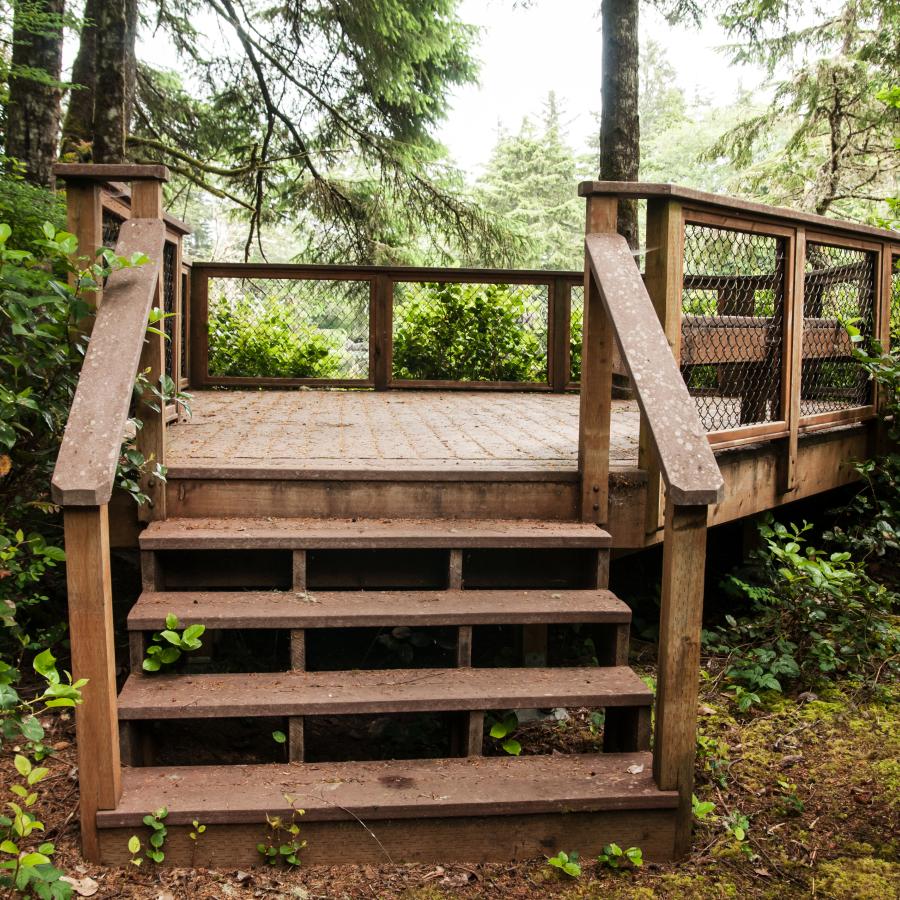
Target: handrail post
{"x":382,"y":330}
{"x":597,"y":349}
{"x":147,"y":203}
{"x":93,"y":657}
{"x":795,"y":293}
{"x":680,"y":622}
{"x":663,"y":277}
{"x":559,"y":308}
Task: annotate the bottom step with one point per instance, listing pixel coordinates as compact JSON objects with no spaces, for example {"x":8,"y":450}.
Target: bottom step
{"x":445,"y":810}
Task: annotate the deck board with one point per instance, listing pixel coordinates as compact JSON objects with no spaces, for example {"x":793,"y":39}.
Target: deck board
{"x":414,"y":431}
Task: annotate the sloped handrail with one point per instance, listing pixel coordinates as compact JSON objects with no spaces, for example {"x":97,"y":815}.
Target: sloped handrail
{"x":86,"y":465}
{"x":687,"y":463}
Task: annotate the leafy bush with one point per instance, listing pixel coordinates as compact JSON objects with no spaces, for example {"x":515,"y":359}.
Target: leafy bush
{"x":812,"y":615}
{"x":466,"y":332}
{"x":247,"y":341}
{"x":25,"y":208}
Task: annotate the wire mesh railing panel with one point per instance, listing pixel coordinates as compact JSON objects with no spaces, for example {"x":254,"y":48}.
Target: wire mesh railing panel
{"x":169,"y":323}
{"x":111,"y":225}
{"x":838,"y":304}
{"x":455,"y":331}
{"x":732,"y":332}
{"x":288,"y":328}
{"x":895,"y":304}
{"x":576,"y":323}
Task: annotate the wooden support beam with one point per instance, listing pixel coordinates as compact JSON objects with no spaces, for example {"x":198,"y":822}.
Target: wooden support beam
{"x":198,"y":324}
{"x":559,"y":363}
{"x":382,"y":330}
{"x":597,"y":352}
{"x":468,"y":731}
{"x":93,"y":657}
{"x":663,"y":277}
{"x":794,"y":301}
{"x":296,"y":745}
{"x":681,"y":615}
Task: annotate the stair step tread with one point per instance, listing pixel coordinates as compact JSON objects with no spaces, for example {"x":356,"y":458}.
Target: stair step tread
{"x":376,"y":691}
{"x":349,"y":609}
{"x":367,"y":534}
{"x":395,"y":789}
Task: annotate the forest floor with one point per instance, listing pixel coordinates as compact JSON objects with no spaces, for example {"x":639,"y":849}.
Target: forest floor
{"x":816,"y":776}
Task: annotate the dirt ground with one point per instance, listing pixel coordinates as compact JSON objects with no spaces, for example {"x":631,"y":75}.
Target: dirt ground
{"x":816,"y":776}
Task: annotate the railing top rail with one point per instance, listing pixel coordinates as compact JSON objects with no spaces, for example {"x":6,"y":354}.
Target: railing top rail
{"x":687,"y":463}
{"x":86,"y":465}
{"x":399,"y":273}
{"x":641,"y":190}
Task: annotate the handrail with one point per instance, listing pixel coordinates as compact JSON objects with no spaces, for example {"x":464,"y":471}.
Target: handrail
{"x":687,"y":463}
{"x":86,"y":465}
{"x":729,"y":206}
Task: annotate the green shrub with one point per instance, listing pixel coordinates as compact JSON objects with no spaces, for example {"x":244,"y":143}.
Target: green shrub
{"x":249,"y":342}
{"x":812,"y":615}
{"x":466,"y":332}
{"x":575,"y":337}
{"x":25,"y":208}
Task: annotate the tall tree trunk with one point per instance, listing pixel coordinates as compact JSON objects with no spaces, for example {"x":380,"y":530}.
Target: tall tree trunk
{"x":33,"y":107}
{"x":620,"y":131}
{"x":78,"y":125}
{"x":115,"y":59}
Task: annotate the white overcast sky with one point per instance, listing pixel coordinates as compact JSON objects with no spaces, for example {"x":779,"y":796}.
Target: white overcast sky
{"x":555,"y":45}
{"x":527,"y":52}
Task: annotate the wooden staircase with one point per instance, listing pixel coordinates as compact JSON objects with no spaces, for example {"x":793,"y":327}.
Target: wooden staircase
{"x":463,"y":806}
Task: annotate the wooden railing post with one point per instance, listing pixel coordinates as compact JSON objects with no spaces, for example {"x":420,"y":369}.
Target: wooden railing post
{"x":94,"y":658}
{"x":559,"y":306}
{"x":381,"y":331}
{"x":597,"y":349}
{"x":147,"y":203}
{"x":663,"y":277}
{"x":680,"y":622}
{"x":794,"y":299}
{"x":198,"y":323}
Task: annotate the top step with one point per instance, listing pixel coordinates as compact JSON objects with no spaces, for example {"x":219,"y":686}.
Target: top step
{"x":241,"y":533}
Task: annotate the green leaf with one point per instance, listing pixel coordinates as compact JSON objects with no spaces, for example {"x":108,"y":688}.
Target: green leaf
{"x":134,"y":844}
{"x":23,"y":765}
{"x":192,"y":632}
{"x":31,"y":729}
{"x":45,"y":664}
{"x":9,"y":847}
{"x":512,"y":747}
{"x":171,"y":621}
{"x":151,"y":664}
{"x":279,"y":737}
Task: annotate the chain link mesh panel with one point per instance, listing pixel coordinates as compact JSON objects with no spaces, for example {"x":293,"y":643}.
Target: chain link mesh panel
{"x":111,"y":225}
{"x":470,"y":331}
{"x":288,"y":328}
{"x":732,"y":330}
{"x":838,"y":301}
{"x":169,"y":323}
{"x":895,"y":303}
{"x":576,"y":323}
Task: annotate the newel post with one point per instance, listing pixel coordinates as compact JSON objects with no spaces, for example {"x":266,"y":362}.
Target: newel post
{"x":680,"y":623}
{"x":597,"y":353}
{"x":664,"y":278}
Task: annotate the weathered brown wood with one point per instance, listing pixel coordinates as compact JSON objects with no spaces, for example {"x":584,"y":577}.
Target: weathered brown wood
{"x":663,"y":278}
{"x":383,"y":331}
{"x":298,"y":570}
{"x":740,"y":209}
{"x":473,"y":839}
{"x":151,"y":572}
{"x":84,"y":219}
{"x":559,"y":363}
{"x":295,"y":740}
{"x":404,"y":789}
{"x":376,"y":691}
{"x":198,"y":354}
{"x":344,"y":534}
{"x":137,"y":645}
{"x":794,"y":339}
{"x":598,"y":346}
{"x":681,"y":619}
{"x":86,"y":464}
{"x":679,"y":440}
{"x":105,"y":173}
{"x":298,"y":649}
{"x":301,"y":609}
{"x":93,"y":657}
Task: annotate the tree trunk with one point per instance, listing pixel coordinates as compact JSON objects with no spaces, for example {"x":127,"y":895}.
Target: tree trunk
{"x":115,"y":55}
{"x":78,"y":126}
{"x":620,"y":131}
{"x":33,"y":107}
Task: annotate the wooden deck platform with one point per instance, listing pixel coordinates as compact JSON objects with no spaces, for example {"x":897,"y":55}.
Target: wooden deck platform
{"x":338,"y":431}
